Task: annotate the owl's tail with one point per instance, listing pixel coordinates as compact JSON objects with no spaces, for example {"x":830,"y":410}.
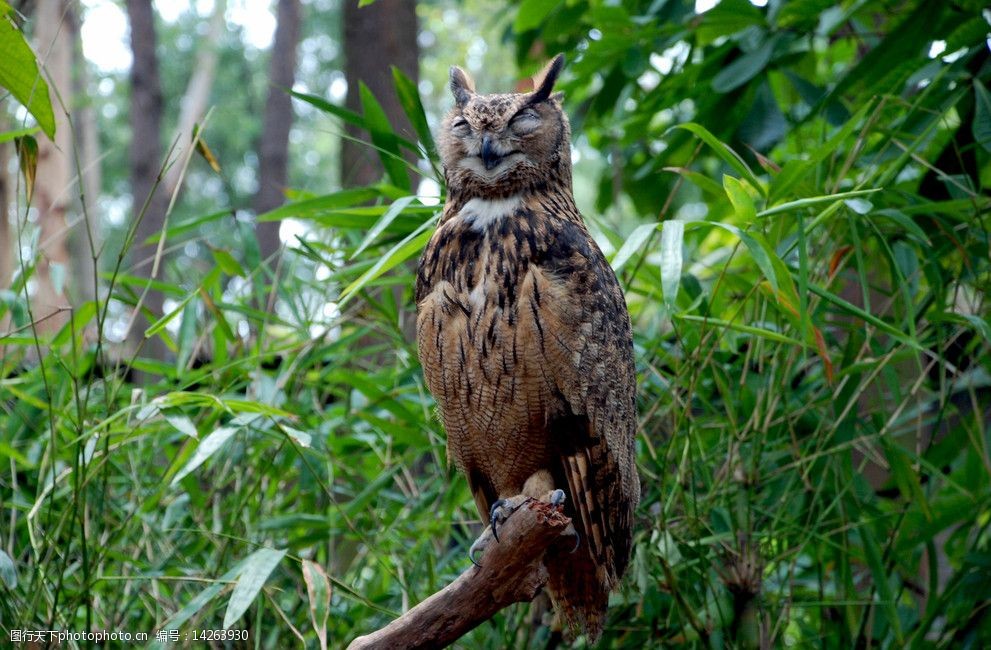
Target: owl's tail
{"x":579,"y":588}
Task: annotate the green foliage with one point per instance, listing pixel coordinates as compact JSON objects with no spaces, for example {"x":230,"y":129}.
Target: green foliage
{"x":19,"y":72}
{"x":795,"y":200}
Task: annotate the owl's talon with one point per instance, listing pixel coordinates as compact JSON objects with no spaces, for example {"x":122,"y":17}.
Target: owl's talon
{"x":578,"y":542}
{"x":502,"y":509}
{"x":494,"y":516}
{"x":474,"y":549}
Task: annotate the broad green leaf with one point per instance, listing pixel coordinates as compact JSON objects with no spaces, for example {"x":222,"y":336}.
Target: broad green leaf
{"x":532,"y":13}
{"x":744,"y":68}
{"x":727,"y":18}
{"x":982,"y":115}
{"x":7,"y":136}
{"x":81,"y":316}
{"x":853,"y":310}
{"x":901,"y":43}
{"x":770,"y":335}
{"x":160,"y":324}
{"x":318,"y":591}
{"x":672,"y":238}
{"x":257,"y":567}
{"x":743,"y":205}
{"x":207,"y":447}
{"x":184,"y":227}
{"x":409,"y":246}
{"x":872,"y":553}
{"x":813,"y":200}
{"x":722,"y":150}
{"x":384,"y":138}
{"x":183,"y":425}
{"x":310,"y":208}
{"x":301,"y":438}
{"x":860,"y":206}
{"x":704,"y":183}
{"x":905,"y":222}
{"x":201,"y":599}
{"x":10,"y":452}
{"x":632,"y":244}
{"x":906,"y":478}
{"x":8,"y":571}
{"x":980,"y":325}
{"x":19,"y":74}
{"x":390,"y":215}
{"x":798,"y":170}
{"x":245,"y":408}
{"x":227,"y":263}
{"x":348,"y":116}
{"x":759,"y":249}
{"x":186,"y":338}
{"x":409,"y":98}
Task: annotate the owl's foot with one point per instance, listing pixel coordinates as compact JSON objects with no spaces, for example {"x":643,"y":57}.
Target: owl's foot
{"x":498,"y":514}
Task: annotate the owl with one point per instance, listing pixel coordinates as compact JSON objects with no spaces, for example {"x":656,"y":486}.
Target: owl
{"x":525,"y":339}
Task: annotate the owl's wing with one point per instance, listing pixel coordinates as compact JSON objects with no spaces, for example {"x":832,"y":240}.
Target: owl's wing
{"x":597,"y":376}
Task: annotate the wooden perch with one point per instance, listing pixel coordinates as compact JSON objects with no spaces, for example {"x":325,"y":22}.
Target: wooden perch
{"x":512,"y":571}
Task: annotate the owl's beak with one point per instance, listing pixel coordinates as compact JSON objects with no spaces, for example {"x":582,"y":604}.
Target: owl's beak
{"x":489,"y":156}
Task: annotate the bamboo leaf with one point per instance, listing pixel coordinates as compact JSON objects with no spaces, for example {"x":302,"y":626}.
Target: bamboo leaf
{"x":872,"y":553}
{"x":532,"y":13}
{"x":384,"y":137}
{"x":743,"y":205}
{"x":7,"y":136}
{"x":409,"y":98}
{"x":409,"y":246}
{"x":318,"y":590}
{"x":27,"y":156}
{"x":632,"y":244}
{"x":8,"y":571}
{"x":744,"y":68}
{"x":982,"y":115}
{"x":722,"y":150}
{"x":762,"y":332}
{"x":19,"y":74}
{"x":183,"y":425}
{"x":257,"y":567}
{"x":208,"y":446}
{"x":759,"y":249}
{"x":672,"y":238}
{"x":390,"y":215}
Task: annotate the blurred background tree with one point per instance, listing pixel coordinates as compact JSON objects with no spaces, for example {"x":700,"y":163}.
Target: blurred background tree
{"x":793,"y":193}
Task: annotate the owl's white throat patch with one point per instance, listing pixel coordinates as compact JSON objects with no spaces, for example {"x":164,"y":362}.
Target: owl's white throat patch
{"x":479,"y":214}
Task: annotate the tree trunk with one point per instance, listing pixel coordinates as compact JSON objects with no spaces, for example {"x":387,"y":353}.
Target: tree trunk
{"x":87,"y":235}
{"x":197,"y":95}
{"x":146,"y":161}
{"x":376,"y":37}
{"x":51,"y":189}
{"x":273,"y":148}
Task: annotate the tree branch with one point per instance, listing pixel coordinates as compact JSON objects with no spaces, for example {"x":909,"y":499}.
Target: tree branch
{"x":512,"y":571}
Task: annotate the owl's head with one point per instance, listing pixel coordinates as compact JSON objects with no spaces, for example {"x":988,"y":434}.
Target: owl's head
{"x":505,"y":144}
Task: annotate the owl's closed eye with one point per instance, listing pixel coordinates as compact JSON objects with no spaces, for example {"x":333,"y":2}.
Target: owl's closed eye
{"x":499,"y":143}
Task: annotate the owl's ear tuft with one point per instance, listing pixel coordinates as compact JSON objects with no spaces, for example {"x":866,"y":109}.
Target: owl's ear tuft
{"x":543,"y":81}
{"x":462,"y":87}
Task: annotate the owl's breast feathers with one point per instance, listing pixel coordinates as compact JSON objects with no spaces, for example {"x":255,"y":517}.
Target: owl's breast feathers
{"x":526,"y":345}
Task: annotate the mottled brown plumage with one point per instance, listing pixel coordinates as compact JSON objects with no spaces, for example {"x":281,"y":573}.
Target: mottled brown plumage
{"x":524,"y":335}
